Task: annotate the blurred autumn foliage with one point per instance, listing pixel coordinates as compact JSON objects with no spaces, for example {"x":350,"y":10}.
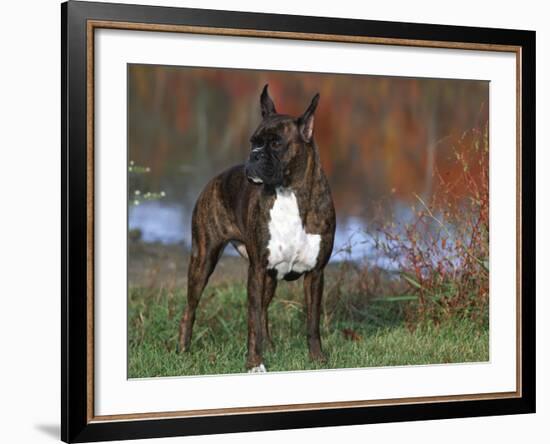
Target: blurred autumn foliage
{"x":378,"y":136}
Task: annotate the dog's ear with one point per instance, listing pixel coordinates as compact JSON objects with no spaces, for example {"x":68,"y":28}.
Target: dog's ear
{"x":268,"y":107}
{"x":305,"y":122}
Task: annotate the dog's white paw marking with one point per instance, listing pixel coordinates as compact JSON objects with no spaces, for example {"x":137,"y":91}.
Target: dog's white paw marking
{"x":290,"y":247}
{"x":258,"y":369}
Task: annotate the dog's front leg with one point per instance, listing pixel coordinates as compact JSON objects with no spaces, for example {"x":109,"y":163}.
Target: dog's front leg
{"x":256,"y":282}
{"x":270,"y":284}
{"x":313,"y":292}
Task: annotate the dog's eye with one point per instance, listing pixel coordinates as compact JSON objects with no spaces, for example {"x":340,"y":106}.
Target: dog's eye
{"x":275,"y":144}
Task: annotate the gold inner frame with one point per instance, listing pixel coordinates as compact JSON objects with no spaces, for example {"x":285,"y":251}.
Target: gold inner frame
{"x":96,"y":24}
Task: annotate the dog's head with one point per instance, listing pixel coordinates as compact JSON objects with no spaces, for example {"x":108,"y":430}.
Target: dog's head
{"x":280,"y":144}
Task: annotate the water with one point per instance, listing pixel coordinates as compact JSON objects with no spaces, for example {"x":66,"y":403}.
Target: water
{"x":356,"y":239}
{"x":170,"y":223}
{"x":161,"y":222}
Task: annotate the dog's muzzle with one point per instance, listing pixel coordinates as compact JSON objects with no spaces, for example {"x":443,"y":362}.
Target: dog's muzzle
{"x":262,"y":168}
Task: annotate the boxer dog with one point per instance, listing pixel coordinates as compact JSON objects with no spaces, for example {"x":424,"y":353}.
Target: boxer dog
{"x":277,"y":211}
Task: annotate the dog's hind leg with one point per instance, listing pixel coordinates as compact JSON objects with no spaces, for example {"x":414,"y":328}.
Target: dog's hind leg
{"x":203,"y":260}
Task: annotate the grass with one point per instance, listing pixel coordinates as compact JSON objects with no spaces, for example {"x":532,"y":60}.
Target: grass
{"x":371,"y":334}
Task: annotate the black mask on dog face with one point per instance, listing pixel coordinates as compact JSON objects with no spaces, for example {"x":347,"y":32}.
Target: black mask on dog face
{"x":279,"y":143}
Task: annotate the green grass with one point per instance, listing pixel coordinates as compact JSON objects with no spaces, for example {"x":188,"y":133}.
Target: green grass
{"x":371,"y":334}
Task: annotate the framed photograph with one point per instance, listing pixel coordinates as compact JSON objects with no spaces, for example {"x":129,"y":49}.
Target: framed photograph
{"x":275,"y":221}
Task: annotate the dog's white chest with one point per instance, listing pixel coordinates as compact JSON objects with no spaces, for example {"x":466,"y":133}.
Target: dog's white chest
{"x":291,"y":249}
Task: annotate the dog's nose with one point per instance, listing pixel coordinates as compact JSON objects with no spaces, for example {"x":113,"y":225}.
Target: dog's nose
{"x":257,"y":154}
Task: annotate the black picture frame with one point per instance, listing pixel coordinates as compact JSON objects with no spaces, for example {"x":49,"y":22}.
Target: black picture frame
{"x":76,"y":424}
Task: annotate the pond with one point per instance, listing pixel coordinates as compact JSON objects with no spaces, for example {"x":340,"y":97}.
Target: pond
{"x":170,"y":223}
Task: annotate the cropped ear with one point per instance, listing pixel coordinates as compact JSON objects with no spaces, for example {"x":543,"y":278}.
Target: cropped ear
{"x":305,"y":123}
{"x":268,"y":107}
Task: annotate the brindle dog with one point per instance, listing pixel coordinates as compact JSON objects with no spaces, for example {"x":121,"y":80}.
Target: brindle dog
{"x":277,"y":210}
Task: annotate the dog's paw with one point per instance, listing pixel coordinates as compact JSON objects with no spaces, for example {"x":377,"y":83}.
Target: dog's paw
{"x":318,"y":357}
{"x":258,"y":369}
